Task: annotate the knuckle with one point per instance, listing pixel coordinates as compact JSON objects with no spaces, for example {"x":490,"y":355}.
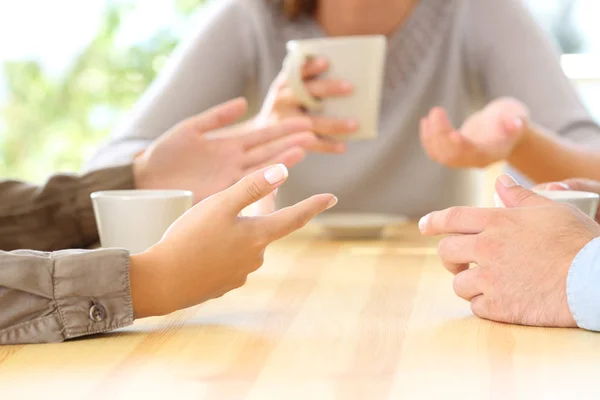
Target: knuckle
{"x":303,"y":218}
{"x":241,"y":281}
{"x":451,"y":216}
{"x":456,"y":285}
{"x":483,"y":247}
{"x":253,"y":190}
{"x":444,"y":247}
{"x":523,"y":195}
{"x":486,"y":277}
{"x":479,"y":308}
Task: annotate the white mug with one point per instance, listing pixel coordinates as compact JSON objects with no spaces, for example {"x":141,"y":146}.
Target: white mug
{"x":137,"y":219}
{"x":585,"y":201}
{"x":359,"y":60}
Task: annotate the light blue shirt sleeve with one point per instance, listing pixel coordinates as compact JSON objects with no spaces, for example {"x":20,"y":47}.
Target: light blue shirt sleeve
{"x":583,"y":287}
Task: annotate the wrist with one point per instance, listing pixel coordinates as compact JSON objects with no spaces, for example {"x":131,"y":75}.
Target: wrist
{"x":147,"y":285}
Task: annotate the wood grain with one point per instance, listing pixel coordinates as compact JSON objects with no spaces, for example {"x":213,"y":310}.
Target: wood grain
{"x":321,"y":320}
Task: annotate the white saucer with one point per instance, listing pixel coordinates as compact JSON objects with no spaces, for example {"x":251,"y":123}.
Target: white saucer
{"x":357,"y":225}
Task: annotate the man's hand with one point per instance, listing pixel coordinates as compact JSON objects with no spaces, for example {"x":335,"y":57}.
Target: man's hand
{"x":486,"y":137}
{"x":205,"y":156}
{"x":521,"y":255}
{"x":211,"y":250}
{"x":578,"y":184}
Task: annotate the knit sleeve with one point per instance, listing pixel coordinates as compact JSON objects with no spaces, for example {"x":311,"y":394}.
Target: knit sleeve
{"x":513,"y":56}
{"x":210,"y":67}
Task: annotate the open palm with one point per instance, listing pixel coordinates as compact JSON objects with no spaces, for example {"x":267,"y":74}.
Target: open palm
{"x":486,"y":137}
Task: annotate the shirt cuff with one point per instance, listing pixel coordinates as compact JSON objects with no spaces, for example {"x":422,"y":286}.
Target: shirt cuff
{"x":583,"y":287}
{"x":92,"y":291}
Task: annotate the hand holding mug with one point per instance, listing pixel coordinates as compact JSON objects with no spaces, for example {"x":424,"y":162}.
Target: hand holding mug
{"x":337,"y":82}
{"x":282,"y":103}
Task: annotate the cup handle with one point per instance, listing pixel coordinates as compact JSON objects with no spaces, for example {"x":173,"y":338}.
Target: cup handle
{"x":293,"y":64}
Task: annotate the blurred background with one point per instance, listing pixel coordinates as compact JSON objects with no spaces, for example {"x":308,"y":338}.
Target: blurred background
{"x":69,"y":69}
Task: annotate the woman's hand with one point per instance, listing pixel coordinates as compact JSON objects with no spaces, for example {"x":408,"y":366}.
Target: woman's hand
{"x":206,"y":155}
{"x":281,"y":104}
{"x":211,"y":249}
{"x":486,"y":137}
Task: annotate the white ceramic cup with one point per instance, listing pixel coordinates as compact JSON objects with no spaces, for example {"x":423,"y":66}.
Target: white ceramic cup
{"x":359,"y":60}
{"x":585,"y":201}
{"x":137,"y":219}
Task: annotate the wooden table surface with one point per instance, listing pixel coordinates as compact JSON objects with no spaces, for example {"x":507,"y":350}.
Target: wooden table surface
{"x":321,"y":320}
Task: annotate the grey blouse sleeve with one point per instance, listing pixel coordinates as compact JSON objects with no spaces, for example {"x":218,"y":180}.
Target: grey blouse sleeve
{"x":210,"y":67}
{"x":51,"y":297}
{"x":513,"y":56}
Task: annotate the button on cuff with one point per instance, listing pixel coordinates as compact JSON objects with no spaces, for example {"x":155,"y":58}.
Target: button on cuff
{"x":97,"y":312}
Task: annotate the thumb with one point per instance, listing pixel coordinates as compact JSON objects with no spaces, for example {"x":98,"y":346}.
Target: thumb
{"x":252,"y":188}
{"x":513,"y":126}
{"x":514,"y":195}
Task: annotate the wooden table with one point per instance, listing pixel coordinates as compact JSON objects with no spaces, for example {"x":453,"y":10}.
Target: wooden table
{"x":321,"y":320}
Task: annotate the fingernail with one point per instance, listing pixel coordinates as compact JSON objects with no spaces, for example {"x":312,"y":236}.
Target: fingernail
{"x":507,"y":180}
{"x":352,"y":124}
{"x":332,"y":202}
{"x":320,"y":61}
{"x":563,"y":185}
{"x":423,"y":223}
{"x":276,"y":174}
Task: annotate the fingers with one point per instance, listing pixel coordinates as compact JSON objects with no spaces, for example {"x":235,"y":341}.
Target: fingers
{"x":514,"y":195}
{"x":439,"y":120}
{"x":456,"y":220}
{"x":252,"y":188}
{"x":314,"y":66}
{"x":583,"y":185}
{"x":513,"y":126}
{"x":457,"y":252}
{"x":441,"y":141}
{"x":579,"y":184}
{"x":467,"y":284}
{"x":276,"y":131}
{"x":329,"y":146}
{"x":260,"y":155}
{"x":319,"y":88}
{"x":333,"y":126}
{"x":551,"y":186}
{"x":290,"y":219}
{"x":481,"y":307}
{"x":289,"y":158}
{"x":219,"y":116}
{"x":322,"y":88}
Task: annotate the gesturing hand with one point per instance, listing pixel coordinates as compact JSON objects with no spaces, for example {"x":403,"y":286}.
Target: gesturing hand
{"x":486,"y":137}
{"x":522,"y":255}
{"x":211,"y":249}
{"x":205,"y":156}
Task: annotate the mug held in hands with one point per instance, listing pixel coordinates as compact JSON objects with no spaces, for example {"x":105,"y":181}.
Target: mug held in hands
{"x":357,"y":59}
